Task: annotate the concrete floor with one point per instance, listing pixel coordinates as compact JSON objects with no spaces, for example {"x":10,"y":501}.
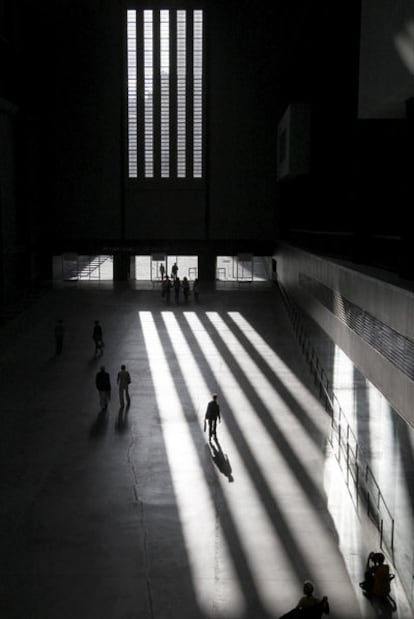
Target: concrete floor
{"x":132,"y":514}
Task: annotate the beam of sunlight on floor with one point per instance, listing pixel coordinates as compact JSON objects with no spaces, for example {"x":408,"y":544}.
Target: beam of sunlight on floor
{"x":291,"y":460}
{"x":272,"y":360}
{"x":195,"y":506}
{"x":266,"y":392}
{"x":267,"y":557}
{"x":291,"y":501}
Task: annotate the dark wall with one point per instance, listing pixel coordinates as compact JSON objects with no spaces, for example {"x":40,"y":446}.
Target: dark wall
{"x":77,"y":70}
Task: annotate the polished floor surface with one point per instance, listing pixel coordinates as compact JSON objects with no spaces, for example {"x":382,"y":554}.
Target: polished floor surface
{"x":132,"y":513}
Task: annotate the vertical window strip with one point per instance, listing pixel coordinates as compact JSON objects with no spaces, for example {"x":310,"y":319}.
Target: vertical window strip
{"x":149,"y":93}
{"x":197,"y":93}
{"x":132,"y":92}
{"x":181,"y":93}
{"x":165,"y":91}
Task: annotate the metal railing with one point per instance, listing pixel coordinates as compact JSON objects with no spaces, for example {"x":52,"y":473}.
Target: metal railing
{"x":359,"y":478}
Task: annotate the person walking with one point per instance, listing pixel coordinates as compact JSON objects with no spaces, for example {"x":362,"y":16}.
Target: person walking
{"x":162,"y":271}
{"x":174,"y":270}
{"x":97,"y":336}
{"x":59,"y":334}
{"x":103,"y":385}
{"x":124,"y":380}
{"x":211,"y":416}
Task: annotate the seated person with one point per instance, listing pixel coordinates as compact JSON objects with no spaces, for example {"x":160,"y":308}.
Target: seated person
{"x":310,"y":605}
{"x":381,"y":586}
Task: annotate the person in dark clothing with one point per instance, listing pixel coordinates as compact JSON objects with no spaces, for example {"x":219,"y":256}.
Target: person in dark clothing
{"x":177,"y":286}
{"x":103,"y":385}
{"x":186,"y":289}
{"x":59,"y":333}
{"x":97,"y":336}
{"x":211,"y":416}
{"x":195,"y":289}
{"x":166,"y":288}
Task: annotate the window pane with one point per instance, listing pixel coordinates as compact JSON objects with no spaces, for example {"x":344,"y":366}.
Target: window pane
{"x":132,"y":93}
{"x":197,"y":94}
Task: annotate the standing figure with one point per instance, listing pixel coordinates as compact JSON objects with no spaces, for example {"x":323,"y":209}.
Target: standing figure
{"x":97,"y":336}
{"x":186,"y":289}
{"x":103,"y":385}
{"x":174,"y":270}
{"x":123,"y":380}
{"x":59,"y":333}
{"x":162,"y":271}
{"x":177,"y":286}
{"x":195,"y":289}
{"x":311,"y":606}
{"x":166,"y":288}
{"x":211,"y":416}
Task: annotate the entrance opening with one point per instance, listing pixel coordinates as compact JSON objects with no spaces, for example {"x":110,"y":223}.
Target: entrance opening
{"x":149,"y":268}
{"x":88,"y":268}
{"x":243,"y":268}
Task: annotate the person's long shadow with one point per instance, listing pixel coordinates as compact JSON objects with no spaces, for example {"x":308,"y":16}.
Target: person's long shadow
{"x":221,"y":460}
{"x":100,"y":425}
{"x":121,"y":424}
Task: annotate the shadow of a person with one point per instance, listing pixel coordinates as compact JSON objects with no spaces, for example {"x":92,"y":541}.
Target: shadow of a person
{"x":122,"y":419}
{"x":384,"y":608}
{"x":100,"y":424}
{"x":221,"y":460}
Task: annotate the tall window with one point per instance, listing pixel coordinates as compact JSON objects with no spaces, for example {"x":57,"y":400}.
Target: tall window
{"x":165,"y":93}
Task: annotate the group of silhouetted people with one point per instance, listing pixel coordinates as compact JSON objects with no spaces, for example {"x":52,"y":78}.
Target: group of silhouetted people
{"x":102,"y":378}
{"x":103,"y":385}
{"x":376,"y":586}
{"x":178,"y":286}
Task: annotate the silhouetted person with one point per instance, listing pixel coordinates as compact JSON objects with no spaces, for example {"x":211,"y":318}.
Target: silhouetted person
{"x":59,"y":334}
{"x":186,"y":289}
{"x":103,"y":385}
{"x":123,"y":380}
{"x":195,"y":289}
{"x":177,"y":286}
{"x":211,"y":416}
{"x":382,"y":577}
{"x":162,"y":271}
{"x":174,"y":270}
{"x":310,"y":605}
{"x":97,"y":336}
{"x":166,"y":288}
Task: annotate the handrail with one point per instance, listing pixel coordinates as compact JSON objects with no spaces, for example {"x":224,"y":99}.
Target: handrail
{"x":343,"y":440}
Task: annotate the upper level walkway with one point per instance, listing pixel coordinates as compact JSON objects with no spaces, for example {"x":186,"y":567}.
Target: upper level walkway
{"x":132,"y":513}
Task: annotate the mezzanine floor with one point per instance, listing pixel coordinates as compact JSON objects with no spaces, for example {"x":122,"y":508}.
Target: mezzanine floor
{"x":132,"y":514}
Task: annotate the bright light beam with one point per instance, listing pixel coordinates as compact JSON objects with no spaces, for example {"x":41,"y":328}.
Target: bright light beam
{"x":276,"y":365}
{"x":270,"y":459}
{"x":191,"y":493}
{"x":286,"y":421}
{"x":267,"y":555}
